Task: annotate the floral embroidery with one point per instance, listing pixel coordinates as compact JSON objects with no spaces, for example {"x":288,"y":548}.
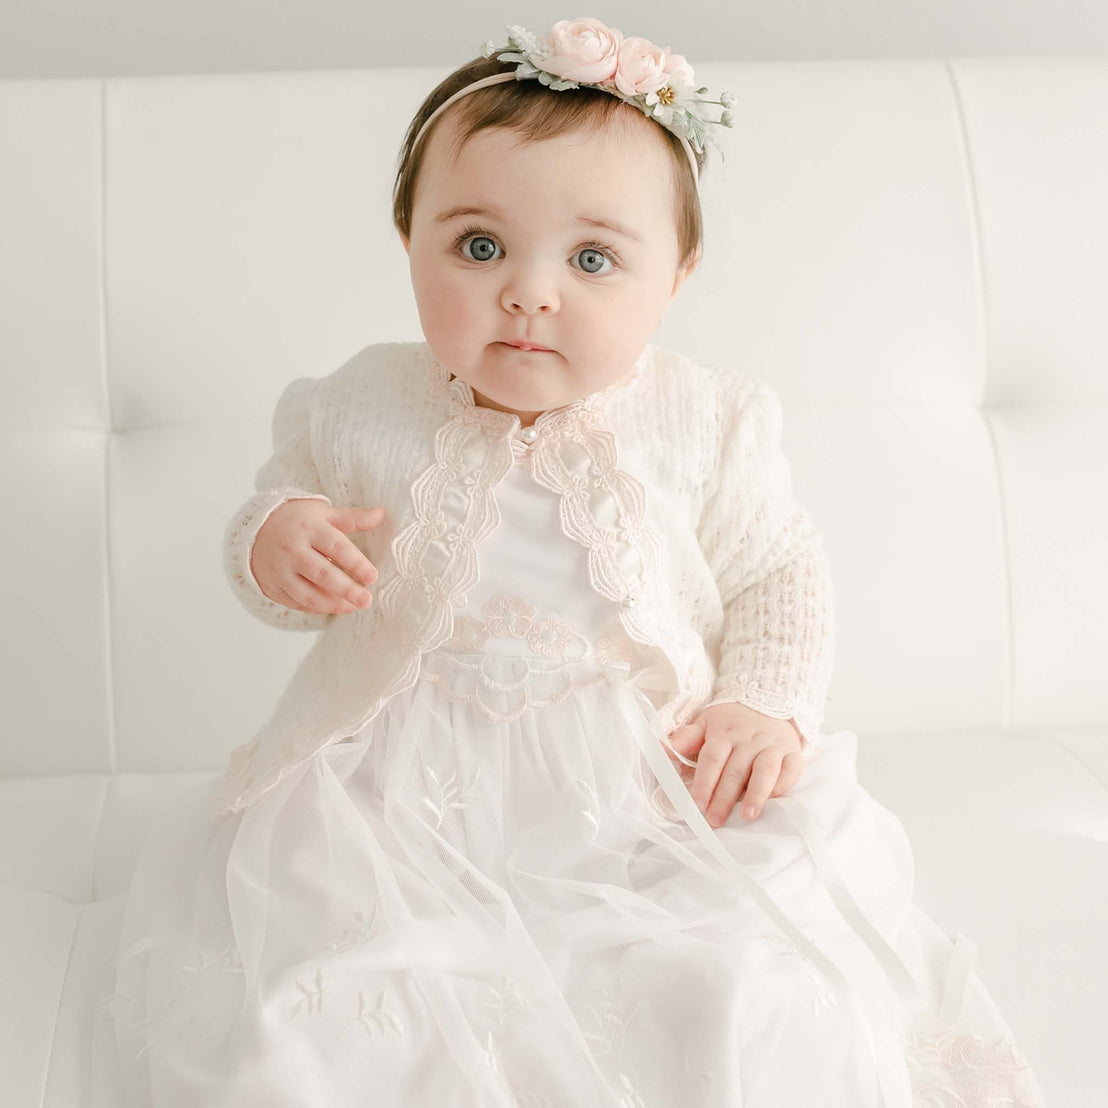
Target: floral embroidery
{"x":448,"y":795}
{"x":356,"y":936}
{"x":506,"y":1002}
{"x":552,"y":637}
{"x":513,"y":618}
{"x":378,"y":1019}
{"x":469,"y":635}
{"x":491,"y":1049}
{"x":950,"y":1070}
{"x":228,"y":961}
{"x":508,"y":618}
{"x":313,"y":997}
{"x":614,"y":648}
{"x":375,"y":1020}
{"x":530,"y":684}
{"x":171,"y":1031}
{"x":612,"y":1018}
{"x":591,"y":812}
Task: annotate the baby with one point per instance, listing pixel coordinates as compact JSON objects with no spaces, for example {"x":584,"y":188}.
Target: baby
{"x":541,"y":265}
{"x":481,"y":853}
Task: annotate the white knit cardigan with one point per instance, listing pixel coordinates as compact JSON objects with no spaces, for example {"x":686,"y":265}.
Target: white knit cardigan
{"x":673,"y":479}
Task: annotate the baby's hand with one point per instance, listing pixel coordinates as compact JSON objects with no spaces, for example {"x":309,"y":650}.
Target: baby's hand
{"x":739,"y":748}
{"x":300,"y":553}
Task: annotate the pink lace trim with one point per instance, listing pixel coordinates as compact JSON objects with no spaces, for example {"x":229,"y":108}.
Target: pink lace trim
{"x":512,"y":617}
{"x":575,"y":425}
{"x":524,"y":681}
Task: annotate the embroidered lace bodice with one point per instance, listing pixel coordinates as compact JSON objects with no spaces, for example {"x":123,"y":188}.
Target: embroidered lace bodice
{"x":532,"y":602}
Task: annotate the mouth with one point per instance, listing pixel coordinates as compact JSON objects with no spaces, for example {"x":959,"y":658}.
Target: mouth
{"x":528,"y":346}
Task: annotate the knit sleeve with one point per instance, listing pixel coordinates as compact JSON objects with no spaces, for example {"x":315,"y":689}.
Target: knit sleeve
{"x":289,"y":474}
{"x":768,"y":561}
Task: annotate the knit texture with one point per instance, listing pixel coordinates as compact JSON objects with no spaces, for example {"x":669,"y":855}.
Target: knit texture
{"x":768,"y":562}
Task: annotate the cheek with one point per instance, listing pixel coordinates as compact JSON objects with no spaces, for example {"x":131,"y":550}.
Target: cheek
{"x":445,"y":298}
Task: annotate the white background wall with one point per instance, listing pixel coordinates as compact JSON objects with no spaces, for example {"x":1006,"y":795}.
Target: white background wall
{"x":109,"y":38}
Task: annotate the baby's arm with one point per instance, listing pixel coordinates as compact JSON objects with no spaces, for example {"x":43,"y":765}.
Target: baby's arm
{"x":768,"y":560}
{"x":289,"y":474}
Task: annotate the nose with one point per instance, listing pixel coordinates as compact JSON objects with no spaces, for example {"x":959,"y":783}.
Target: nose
{"x":528,"y":292}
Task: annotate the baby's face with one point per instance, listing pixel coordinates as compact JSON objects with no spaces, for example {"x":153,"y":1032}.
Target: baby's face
{"x":528,"y":267}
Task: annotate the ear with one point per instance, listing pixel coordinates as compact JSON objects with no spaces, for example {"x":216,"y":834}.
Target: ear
{"x":686,"y":271}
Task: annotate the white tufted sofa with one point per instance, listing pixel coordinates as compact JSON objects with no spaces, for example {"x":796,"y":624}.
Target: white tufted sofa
{"x":914,"y":253}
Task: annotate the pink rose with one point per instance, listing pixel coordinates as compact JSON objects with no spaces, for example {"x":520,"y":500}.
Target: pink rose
{"x":642,"y":67}
{"x":583,"y":50}
{"x":680,"y":73}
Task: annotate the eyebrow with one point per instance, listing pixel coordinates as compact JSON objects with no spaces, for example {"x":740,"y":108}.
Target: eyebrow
{"x":495,"y":213}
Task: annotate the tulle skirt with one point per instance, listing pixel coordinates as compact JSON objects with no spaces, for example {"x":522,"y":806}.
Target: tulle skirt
{"x":491,"y":895}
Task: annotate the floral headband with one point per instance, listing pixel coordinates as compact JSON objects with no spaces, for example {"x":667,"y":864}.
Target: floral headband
{"x":586,"y":52}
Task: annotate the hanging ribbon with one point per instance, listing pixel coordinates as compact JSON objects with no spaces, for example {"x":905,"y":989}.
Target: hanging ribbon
{"x":965,"y":951}
{"x":657,"y":677}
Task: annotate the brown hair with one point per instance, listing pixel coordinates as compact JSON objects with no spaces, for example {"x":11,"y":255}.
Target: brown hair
{"x":536,"y":113}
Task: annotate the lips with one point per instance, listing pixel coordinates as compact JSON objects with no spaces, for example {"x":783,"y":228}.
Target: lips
{"x":529,"y":346}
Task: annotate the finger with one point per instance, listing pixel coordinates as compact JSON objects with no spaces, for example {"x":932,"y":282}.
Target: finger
{"x":710,"y":761}
{"x":357,"y":519}
{"x":283,"y":597}
{"x":763,"y":776}
{"x":315,"y":567}
{"x":731,"y":782}
{"x":333,"y":544}
{"x":686,"y":739}
{"x":792,"y":769}
{"x":307,"y":597}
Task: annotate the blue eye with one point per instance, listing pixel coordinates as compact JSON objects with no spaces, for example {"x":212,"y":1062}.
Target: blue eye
{"x":596,"y":254}
{"x":483,"y":254}
{"x":485,"y":246}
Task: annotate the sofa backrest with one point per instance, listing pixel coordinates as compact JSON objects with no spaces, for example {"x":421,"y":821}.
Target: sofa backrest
{"x":913,"y":253}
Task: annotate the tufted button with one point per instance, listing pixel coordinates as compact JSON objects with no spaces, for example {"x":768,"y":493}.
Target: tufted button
{"x":528,"y":434}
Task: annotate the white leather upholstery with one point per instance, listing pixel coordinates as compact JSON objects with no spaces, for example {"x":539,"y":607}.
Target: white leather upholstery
{"x":915,"y":254}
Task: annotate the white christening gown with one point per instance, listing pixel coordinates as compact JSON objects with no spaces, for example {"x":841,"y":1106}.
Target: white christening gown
{"x":501,"y":893}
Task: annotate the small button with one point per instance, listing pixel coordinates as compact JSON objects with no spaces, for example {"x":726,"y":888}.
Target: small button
{"x":528,"y":434}
{"x":629,"y":601}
